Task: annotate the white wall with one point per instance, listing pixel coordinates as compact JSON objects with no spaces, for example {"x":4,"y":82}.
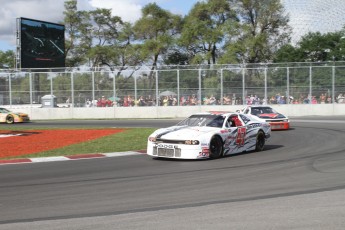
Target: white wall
{"x":36,"y":113}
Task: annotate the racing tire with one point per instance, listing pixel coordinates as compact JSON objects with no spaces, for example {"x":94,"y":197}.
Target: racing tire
{"x":260,"y":141}
{"x":9,"y":119}
{"x":216,"y":147}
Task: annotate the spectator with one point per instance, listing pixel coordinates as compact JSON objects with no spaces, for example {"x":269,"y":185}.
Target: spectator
{"x":170,"y":100}
{"x":183,"y":101}
{"x":282,"y":100}
{"x":306,"y":100}
{"x":174,"y":102}
{"x":104,"y":101}
{"x":340,"y":98}
{"x":329,"y":99}
{"x":248,"y":101}
{"x":94,"y":103}
{"x":125,"y":101}
{"x":206,"y":100}
{"x":149,"y":101}
{"x":141,"y":101}
{"x":273,"y":100}
{"x":130,"y":101}
{"x":226,"y":100}
{"x":313,"y":100}
{"x":88,"y":103}
{"x":165,"y":101}
{"x":323,"y":98}
{"x":193,"y":100}
{"x":212,"y":100}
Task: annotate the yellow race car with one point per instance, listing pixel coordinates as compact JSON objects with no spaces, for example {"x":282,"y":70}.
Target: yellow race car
{"x":12,"y":117}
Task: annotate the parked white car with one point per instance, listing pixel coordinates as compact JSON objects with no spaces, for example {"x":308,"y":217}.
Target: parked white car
{"x":209,"y":135}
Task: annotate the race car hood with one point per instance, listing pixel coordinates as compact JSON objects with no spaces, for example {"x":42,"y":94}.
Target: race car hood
{"x":270,"y":115}
{"x":184,"y":133}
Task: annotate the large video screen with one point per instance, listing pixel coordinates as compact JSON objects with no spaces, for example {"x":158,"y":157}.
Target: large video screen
{"x":42,"y":44}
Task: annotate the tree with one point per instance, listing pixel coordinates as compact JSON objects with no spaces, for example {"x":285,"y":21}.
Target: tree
{"x":262,"y":30}
{"x":287,"y":53}
{"x":156,"y":31}
{"x":76,"y":24}
{"x":203,"y":30}
{"x":7,"y":59}
{"x":105,"y":32}
{"x":314,"y":47}
{"x":317,"y":47}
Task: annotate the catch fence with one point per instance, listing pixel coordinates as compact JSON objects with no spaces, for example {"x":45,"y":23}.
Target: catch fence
{"x":176,"y":86}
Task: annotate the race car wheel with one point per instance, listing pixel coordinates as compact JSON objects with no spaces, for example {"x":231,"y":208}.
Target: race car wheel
{"x":260,"y":141}
{"x":216,"y":147}
{"x":9,"y":119}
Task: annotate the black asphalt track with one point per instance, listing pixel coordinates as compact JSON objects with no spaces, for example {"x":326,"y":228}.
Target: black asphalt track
{"x":118,"y":193}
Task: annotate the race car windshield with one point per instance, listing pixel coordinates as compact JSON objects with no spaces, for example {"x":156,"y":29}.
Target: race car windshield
{"x":262,"y":110}
{"x":3,"y":110}
{"x":203,"y":120}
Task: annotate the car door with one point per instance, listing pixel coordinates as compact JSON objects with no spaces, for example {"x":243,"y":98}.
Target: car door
{"x":236,"y":139}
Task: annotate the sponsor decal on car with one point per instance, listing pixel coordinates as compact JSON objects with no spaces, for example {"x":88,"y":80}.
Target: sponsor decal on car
{"x":253,"y":126}
{"x":165,"y":146}
{"x":241,"y":136}
{"x":205,"y":152}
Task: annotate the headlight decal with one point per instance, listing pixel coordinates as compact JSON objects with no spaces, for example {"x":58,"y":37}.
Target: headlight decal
{"x":152,"y":139}
{"x":191,"y":142}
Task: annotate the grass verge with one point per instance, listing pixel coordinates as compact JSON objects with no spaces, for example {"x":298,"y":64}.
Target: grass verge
{"x":131,"y":139}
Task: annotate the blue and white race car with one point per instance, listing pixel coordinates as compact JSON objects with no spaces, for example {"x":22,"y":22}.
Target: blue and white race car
{"x":209,"y":135}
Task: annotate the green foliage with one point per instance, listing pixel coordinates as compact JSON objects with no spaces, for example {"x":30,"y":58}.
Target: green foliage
{"x":7,"y":59}
{"x":315,"y":47}
{"x":213,"y":32}
{"x":204,"y":30}
{"x":156,"y":30}
{"x":262,"y":29}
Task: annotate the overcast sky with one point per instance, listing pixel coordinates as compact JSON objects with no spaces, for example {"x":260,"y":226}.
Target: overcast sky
{"x":305,"y":15}
{"x":52,"y":11}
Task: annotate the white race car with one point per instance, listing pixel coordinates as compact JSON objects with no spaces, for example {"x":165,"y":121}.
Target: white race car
{"x":266,"y":113}
{"x":209,"y":135}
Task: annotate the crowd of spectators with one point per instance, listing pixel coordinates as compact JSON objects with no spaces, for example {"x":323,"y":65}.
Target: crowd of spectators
{"x":192,"y":100}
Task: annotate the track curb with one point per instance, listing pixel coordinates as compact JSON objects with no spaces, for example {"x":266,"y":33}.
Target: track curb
{"x":70,"y":157}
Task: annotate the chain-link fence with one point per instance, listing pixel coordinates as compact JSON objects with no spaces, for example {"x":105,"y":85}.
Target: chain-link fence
{"x":177,"y":86}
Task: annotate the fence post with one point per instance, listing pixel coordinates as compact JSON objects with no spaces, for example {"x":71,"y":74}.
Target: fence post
{"x":135,"y":90}
{"x":51,"y":89}
{"x":30,"y":85}
{"x":72,"y":89}
{"x":178,"y":87}
{"x":333,"y":83}
{"x":199,"y":93}
{"x":93,"y":85}
{"x":114,"y":89}
{"x":287,"y":85}
{"x":243,"y":86}
{"x":157,"y":95}
{"x":221,"y":87}
{"x":266,"y":98}
{"x":10,"y":89}
{"x":310,"y":84}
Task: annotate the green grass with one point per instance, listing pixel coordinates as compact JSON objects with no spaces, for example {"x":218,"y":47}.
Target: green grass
{"x":131,"y":139}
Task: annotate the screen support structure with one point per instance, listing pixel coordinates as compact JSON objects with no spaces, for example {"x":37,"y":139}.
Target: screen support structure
{"x":18,"y":45}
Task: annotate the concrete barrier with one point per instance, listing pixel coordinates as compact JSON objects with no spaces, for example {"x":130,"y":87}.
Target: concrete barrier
{"x":37,"y":113}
